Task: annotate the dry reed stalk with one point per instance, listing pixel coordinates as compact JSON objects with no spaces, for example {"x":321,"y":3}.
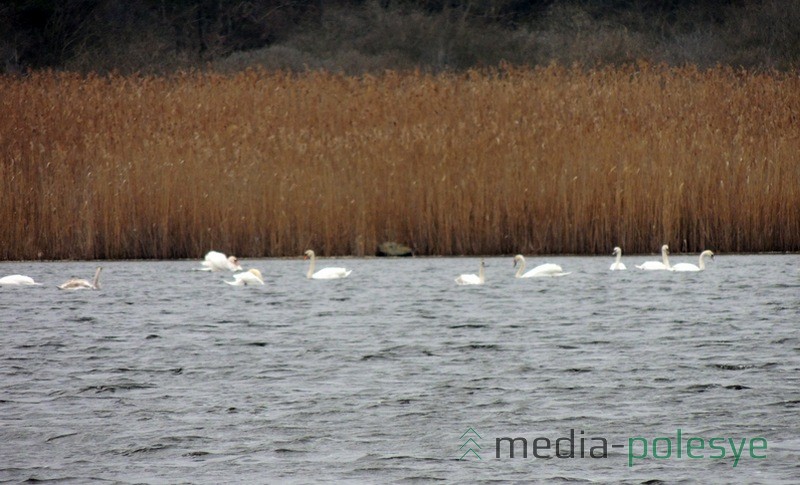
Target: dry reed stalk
{"x":546,"y":160}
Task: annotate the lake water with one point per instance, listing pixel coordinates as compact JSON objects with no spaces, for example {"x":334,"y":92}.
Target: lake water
{"x":168,"y":375}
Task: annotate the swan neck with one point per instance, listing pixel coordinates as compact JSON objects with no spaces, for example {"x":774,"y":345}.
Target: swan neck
{"x":311,"y":266}
{"x":665,"y":258}
{"x":619,"y":257}
{"x":96,"y":279}
{"x":521,"y":267}
{"x":480,"y":273}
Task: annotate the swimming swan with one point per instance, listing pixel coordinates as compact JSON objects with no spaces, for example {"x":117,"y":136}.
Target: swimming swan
{"x":618,"y":265}
{"x":249,"y":277}
{"x":324,"y":273}
{"x":216,"y":261}
{"x":655,"y":265}
{"x":471,"y":279}
{"x":80,"y":284}
{"x":18,"y":280}
{"x":548,"y":269}
{"x":690,"y":267}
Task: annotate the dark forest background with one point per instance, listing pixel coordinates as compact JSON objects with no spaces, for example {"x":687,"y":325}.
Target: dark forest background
{"x":353,"y":36}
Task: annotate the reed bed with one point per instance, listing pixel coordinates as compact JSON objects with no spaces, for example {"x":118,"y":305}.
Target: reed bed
{"x":543,"y":160}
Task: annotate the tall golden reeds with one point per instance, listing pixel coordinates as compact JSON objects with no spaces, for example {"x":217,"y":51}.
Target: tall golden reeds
{"x":545,"y":160}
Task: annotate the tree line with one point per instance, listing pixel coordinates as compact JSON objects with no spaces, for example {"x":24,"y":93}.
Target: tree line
{"x":354,"y":36}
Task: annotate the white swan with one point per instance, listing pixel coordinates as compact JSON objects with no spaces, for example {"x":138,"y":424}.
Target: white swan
{"x":324,"y":273}
{"x":17,"y":280}
{"x":656,"y":265}
{"x":80,"y":284}
{"x":618,"y":265}
{"x":472,"y":279}
{"x":690,"y":267}
{"x":216,"y":261}
{"x":249,"y":277}
{"x":548,"y":269}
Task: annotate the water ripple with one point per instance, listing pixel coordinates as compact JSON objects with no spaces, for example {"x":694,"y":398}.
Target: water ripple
{"x":374,"y":379}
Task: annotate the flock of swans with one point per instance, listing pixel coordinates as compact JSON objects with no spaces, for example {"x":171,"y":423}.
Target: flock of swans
{"x":71,"y":284}
{"x":664,"y":263}
{"x":216,"y":261}
{"x":213,"y":261}
{"x":550,"y":270}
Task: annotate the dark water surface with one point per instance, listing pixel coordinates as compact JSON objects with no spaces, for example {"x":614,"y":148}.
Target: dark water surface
{"x":167,"y":375}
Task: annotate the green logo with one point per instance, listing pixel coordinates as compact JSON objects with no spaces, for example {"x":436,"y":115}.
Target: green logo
{"x":470,"y":444}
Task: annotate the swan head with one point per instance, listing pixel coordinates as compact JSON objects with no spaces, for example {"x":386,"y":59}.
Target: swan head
{"x":665,"y":249}
{"x":257,"y":274}
{"x":617,"y":250}
{"x":308,"y":254}
{"x":708,"y":253}
{"x":517,"y":259}
{"x":233,"y":261}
